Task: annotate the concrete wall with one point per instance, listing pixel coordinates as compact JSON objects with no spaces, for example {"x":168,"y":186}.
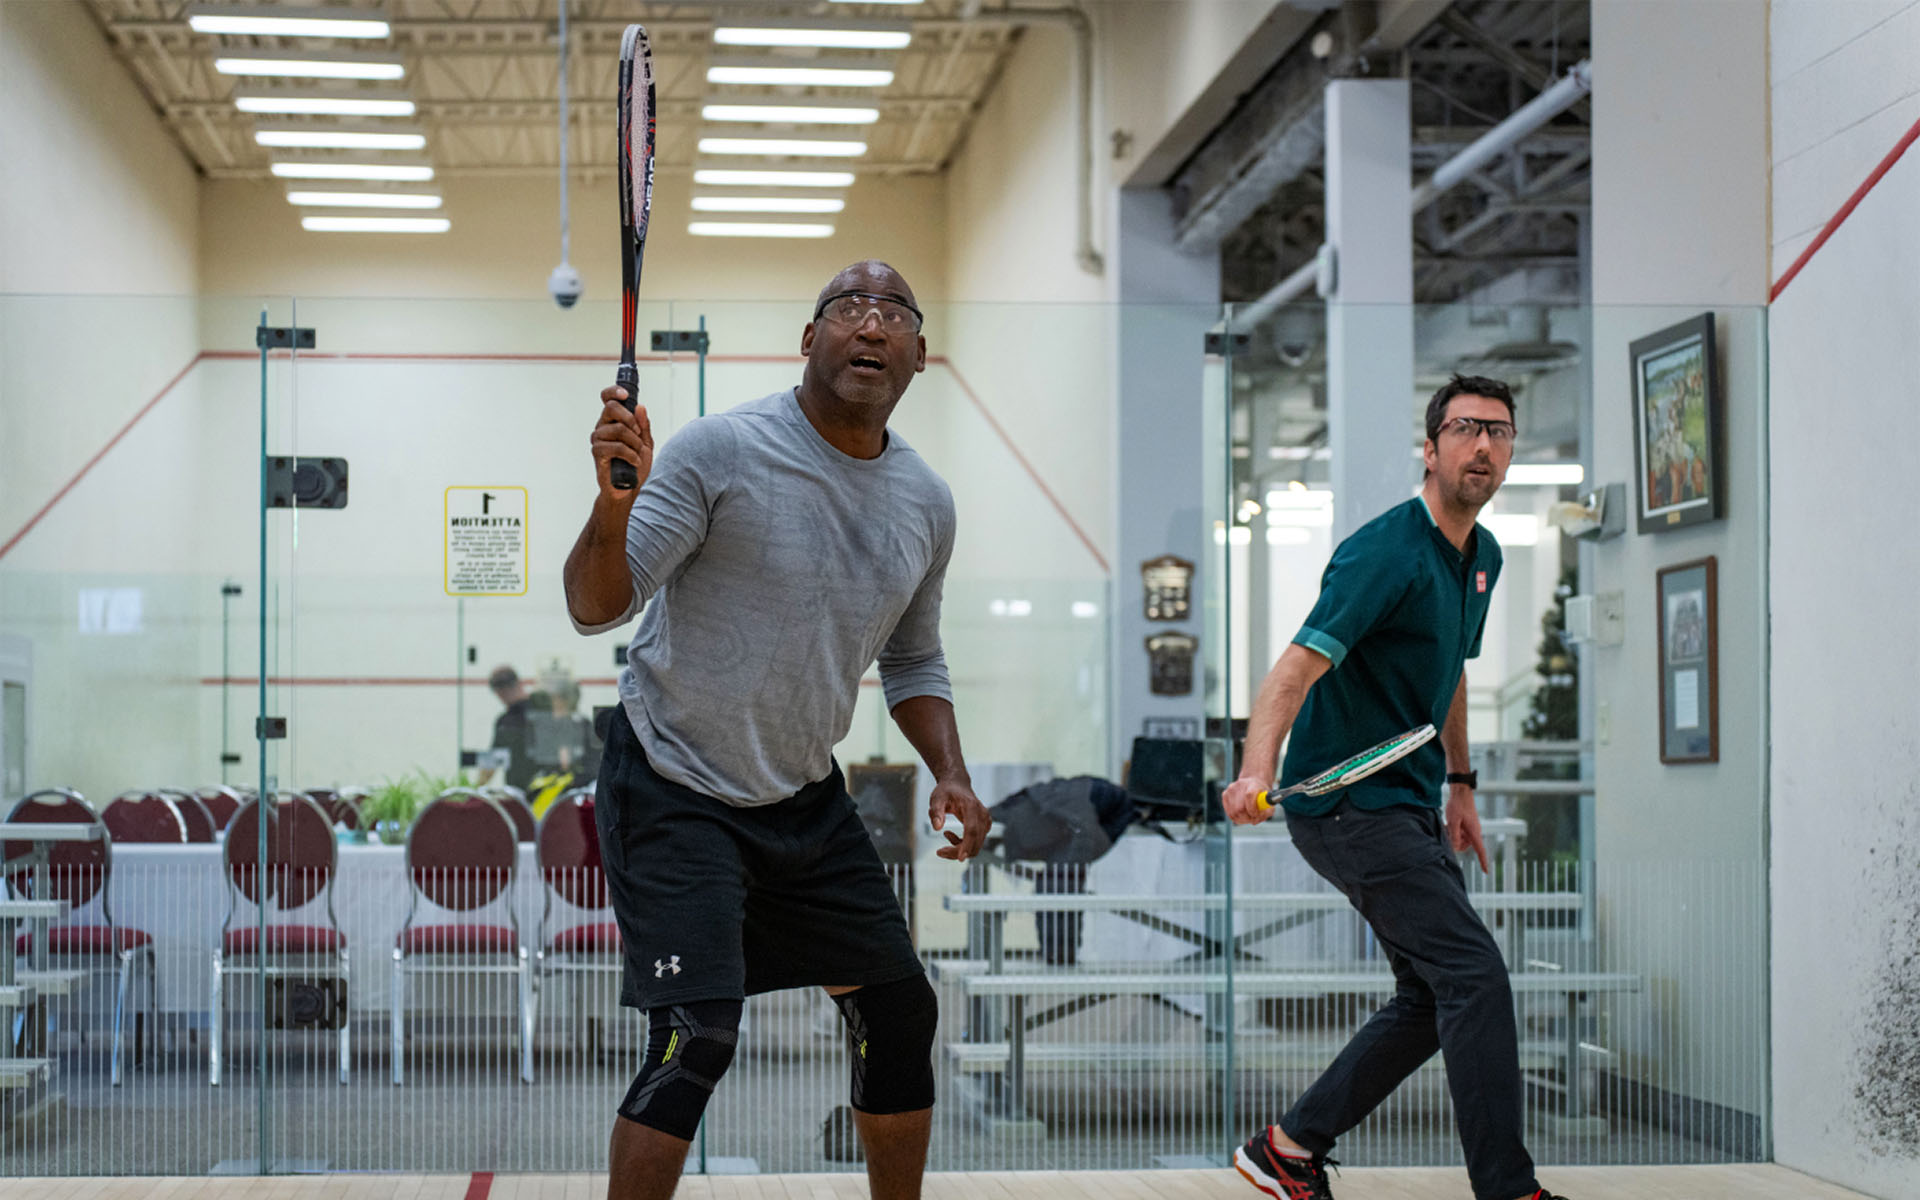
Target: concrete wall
{"x":1845,"y":836}
{"x":1679,"y":213}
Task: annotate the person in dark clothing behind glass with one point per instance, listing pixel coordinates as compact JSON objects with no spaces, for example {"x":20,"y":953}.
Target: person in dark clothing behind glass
{"x":512,"y":729}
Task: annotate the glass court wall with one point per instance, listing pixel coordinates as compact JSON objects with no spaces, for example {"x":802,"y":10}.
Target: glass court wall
{"x":1148,"y":1010}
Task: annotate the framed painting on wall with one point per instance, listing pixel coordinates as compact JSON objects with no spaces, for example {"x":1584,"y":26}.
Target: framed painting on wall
{"x":1688,"y":596}
{"x":1678,"y":438}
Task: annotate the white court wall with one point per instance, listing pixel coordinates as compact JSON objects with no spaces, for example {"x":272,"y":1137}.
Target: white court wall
{"x":1846,"y":446}
{"x":365,"y":648}
{"x":1679,"y":227}
{"x":98,"y":251}
{"x":95,"y":201}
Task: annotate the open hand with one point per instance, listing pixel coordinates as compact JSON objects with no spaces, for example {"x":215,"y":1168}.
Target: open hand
{"x":957,"y":799}
{"x":1463,"y":824}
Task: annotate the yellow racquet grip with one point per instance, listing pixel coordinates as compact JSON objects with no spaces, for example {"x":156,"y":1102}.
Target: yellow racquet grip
{"x":1263,"y":802}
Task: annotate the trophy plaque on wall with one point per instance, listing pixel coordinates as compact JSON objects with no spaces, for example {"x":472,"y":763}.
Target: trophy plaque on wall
{"x":1168,"y":583}
{"x":1171,"y":663}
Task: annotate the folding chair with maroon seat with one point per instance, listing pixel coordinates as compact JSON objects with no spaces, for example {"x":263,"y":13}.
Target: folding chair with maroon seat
{"x":221,"y":803}
{"x":201,"y":824}
{"x":145,"y":817}
{"x":301,"y":859}
{"x":338,"y":803}
{"x":513,"y":802}
{"x":462,"y":855}
{"x":568,"y":850}
{"x":78,"y":873}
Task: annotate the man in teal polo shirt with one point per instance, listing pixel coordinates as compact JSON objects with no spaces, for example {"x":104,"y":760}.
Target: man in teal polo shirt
{"x":1403,"y":605}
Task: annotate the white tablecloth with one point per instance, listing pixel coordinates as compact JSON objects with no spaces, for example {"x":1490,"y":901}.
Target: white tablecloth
{"x":179,"y":894}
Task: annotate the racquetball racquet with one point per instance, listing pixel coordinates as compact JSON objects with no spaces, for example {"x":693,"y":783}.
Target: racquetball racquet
{"x":1352,"y":770}
{"x":636,"y":123}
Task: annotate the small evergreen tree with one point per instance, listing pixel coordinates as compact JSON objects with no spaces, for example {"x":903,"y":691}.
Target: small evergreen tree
{"x":1556,"y":702}
{"x":1553,"y":822}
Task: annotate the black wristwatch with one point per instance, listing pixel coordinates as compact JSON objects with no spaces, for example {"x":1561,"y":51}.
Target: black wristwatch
{"x":1470,"y":778}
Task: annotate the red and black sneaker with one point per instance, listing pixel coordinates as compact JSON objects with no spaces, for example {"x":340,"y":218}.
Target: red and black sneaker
{"x":1282,"y":1176}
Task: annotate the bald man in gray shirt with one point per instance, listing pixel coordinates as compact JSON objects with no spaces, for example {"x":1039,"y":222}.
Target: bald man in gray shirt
{"x":785,"y":545}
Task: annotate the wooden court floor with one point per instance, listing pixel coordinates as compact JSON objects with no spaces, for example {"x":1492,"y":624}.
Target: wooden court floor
{"x":1740,"y":1182}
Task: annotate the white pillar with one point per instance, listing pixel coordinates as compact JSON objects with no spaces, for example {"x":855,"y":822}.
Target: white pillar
{"x":1370,"y":410}
{"x":1166,"y":302}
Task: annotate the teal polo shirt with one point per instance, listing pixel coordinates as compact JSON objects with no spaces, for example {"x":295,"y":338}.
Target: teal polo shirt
{"x":1400,"y":612}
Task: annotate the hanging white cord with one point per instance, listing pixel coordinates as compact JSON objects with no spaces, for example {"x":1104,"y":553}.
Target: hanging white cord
{"x":563,"y":131}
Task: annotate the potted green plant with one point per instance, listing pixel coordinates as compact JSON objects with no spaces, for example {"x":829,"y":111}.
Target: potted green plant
{"x":389,"y":810}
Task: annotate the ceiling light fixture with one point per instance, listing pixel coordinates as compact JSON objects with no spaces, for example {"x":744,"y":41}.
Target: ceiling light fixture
{"x":719,"y":177}
{"x":397,"y":172}
{"x":337,"y":139}
{"x":811,"y":147}
{"x":769,"y":204}
{"x":275,"y":21}
{"x":759,"y":230}
{"x":365,"y":199}
{"x":792,"y":114}
{"x":343,"y":104}
{"x":376,"y":224}
{"x":311,"y":64}
{"x":841,"y":35}
{"x":819,"y":72}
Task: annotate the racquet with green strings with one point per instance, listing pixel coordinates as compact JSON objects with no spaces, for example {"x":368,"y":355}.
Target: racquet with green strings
{"x":1352,"y":770}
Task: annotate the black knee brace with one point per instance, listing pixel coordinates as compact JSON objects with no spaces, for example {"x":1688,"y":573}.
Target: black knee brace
{"x":688,"y":1048}
{"x":890,"y":1029}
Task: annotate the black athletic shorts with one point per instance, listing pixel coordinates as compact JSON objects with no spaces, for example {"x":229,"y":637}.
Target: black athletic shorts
{"x":717,"y":902}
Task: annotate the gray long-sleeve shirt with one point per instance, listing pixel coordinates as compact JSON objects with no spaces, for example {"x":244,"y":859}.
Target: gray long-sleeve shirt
{"x":784,"y":569}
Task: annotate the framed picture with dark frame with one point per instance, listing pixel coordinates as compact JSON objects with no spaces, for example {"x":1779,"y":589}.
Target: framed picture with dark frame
{"x":1688,"y":594}
{"x":1678,"y":427}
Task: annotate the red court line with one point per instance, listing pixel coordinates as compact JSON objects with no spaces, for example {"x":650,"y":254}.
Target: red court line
{"x":479,"y":1185}
{"x":1846,"y":210}
{"x":100,"y":454}
{"x":1032,"y":474}
{"x":396,"y":356}
{"x":372,"y":681}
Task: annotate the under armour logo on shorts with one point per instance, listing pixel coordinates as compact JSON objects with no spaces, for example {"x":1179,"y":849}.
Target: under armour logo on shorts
{"x":660,"y":969}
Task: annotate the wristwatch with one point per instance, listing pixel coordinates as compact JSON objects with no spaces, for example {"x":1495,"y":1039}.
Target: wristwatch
{"x":1470,"y":778}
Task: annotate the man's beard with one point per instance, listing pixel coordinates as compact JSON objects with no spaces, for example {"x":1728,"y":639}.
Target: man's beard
{"x":1472,"y":491}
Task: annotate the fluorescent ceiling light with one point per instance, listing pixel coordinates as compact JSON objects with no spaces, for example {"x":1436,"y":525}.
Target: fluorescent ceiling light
{"x":818,"y":72}
{"x":365,"y":199}
{"x":376,"y":224}
{"x":750,"y":229}
{"x":310,"y":65}
{"x":813,"y":147}
{"x":722,"y":178}
{"x":274,"y":21}
{"x":399,"y":172}
{"x":1512,"y":529}
{"x":357,"y":104}
{"x":338,"y":139}
{"x":1085,"y":609}
{"x":769,"y":204}
{"x":792,"y":114}
{"x":1546,"y":474}
{"x":839,"y":35}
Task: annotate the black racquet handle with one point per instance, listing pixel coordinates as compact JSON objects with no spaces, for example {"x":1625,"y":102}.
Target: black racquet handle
{"x":623,"y":474}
